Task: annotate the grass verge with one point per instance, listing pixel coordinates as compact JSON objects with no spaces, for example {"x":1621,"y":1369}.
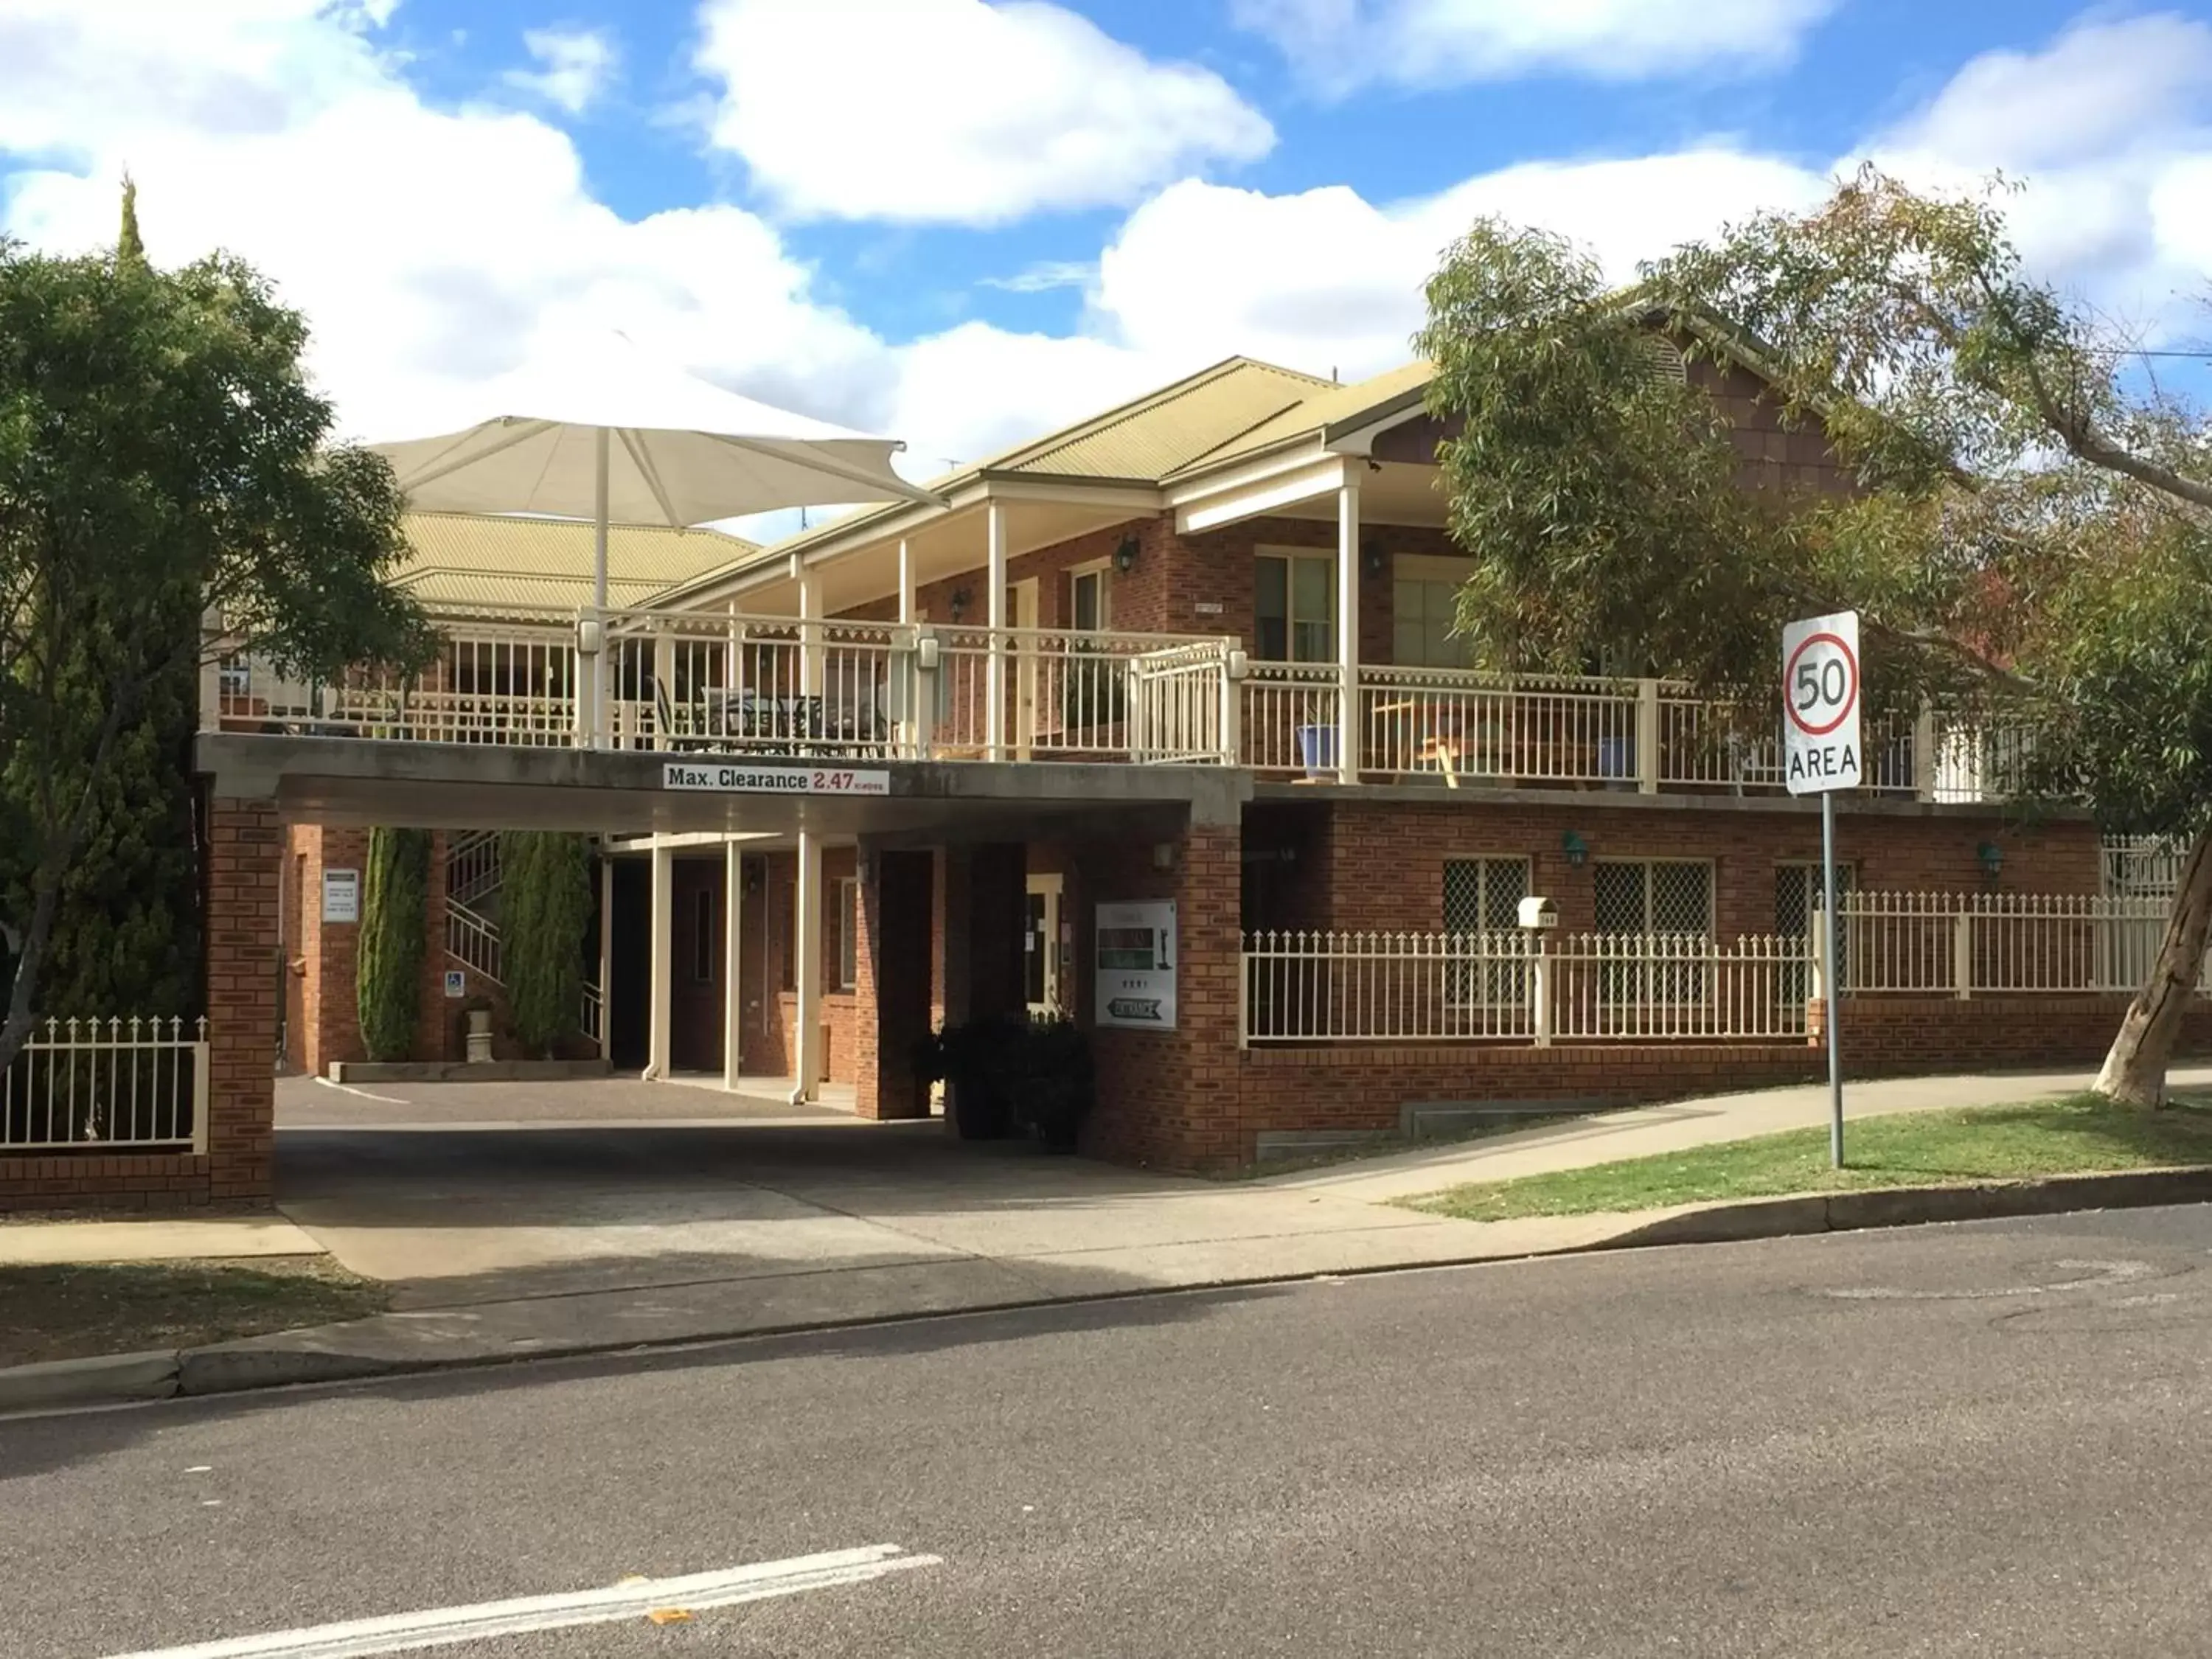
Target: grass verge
{"x":2076,"y":1134}
{"x":69,"y":1312}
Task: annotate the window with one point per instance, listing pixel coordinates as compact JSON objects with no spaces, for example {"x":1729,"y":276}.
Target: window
{"x":848,"y":933}
{"x":234,"y":678}
{"x":1424,"y":605}
{"x":1654,"y":895}
{"x":1483,"y":896}
{"x":704,"y":945}
{"x":1294,"y":608}
{"x":1086,"y":600}
{"x":1797,"y":897}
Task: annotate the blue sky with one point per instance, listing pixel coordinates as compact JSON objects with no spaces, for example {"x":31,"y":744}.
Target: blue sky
{"x":962,"y":222}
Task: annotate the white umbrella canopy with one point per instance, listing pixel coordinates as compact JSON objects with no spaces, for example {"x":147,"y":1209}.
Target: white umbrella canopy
{"x":610,"y":435}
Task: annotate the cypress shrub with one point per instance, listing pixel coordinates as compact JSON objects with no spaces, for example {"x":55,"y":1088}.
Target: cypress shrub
{"x":545,"y":908}
{"x":388,"y":988}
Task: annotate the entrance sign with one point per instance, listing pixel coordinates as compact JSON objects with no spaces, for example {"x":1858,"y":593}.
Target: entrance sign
{"x":1821,"y":747}
{"x":1135,"y":970}
{"x":775,"y":780}
{"x":341,"y":896}
{"x":1821,"y":751}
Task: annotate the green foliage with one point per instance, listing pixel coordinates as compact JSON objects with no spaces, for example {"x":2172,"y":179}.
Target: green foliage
{"x":161,"y":455}
{"x":2025,"y":537}
{"x":395,"y":894}
{"x":545,"y":910}
{"x":1014,"y":1070}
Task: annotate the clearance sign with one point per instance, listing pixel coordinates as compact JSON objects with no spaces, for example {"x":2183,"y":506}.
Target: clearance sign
{"x":1820,"y":704}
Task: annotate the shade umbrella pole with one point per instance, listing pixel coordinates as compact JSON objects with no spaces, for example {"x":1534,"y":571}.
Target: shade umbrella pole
{"x":599,"y":519}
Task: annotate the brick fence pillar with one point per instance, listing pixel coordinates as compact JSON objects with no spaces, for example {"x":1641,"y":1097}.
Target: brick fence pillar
{"x":891,"y":990}
{"x":245,"y":845}
{"x":1174,"y":1099}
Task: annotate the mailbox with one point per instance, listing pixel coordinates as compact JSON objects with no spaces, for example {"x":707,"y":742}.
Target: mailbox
{"x":1539,"y":913}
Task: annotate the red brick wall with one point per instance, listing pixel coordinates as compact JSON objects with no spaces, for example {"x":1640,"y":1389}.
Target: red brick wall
{"x":323,"y":1017}
{"x":1378,"y":864}
{"x":1171,"y":1099}
{"x":840,"y":1011}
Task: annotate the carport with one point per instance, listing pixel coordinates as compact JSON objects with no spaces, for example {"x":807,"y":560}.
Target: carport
{"x":936,"y":846}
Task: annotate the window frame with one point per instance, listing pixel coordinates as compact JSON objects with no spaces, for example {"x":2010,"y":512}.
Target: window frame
{"x":1293,"y":618}
{"x":846,"y":970}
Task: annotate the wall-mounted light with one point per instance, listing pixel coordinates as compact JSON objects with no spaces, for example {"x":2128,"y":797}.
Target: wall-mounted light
{"x":1576,"y":848}
{"x":960,"y":602}
{"x":1124,"y":555}
{"x":1372,"y":557}
{"x":1163,"y":855}
{"x":1992,"y":860}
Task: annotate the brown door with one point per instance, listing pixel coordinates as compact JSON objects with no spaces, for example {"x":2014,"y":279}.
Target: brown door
{"x":695,"y":1003}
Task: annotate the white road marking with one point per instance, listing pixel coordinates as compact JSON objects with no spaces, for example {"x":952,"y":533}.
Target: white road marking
{"x":348,"y":1089}
{"x":2096,"y":1274}
{"x":439,"y":1627}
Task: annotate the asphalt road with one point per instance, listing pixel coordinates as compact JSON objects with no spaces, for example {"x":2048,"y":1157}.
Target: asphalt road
{"x":1974,"y":1440}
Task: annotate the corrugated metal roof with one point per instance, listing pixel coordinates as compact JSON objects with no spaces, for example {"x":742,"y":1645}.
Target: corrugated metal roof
{"x":463,"y":558}
{"x":1319,"y":411}
{"x":1166,"y":430}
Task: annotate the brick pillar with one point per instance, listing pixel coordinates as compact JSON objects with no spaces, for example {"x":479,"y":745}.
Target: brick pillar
{"x":245,"y":845}
{"x":891,"y":997}
{"x":955,"y":865}
{"x":998,"y":902}
{"x":1173,"y":1099}
{"x":437,"y":1020}
{"x":328,"y":954}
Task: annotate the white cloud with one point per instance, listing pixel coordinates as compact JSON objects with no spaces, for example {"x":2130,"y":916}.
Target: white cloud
{"x":574,"y":66}
{"x":955,"y":110}
{"x":1327,"y":280}
{"x":1338,"y":45}
{"x":1047,"y":274}
{"x":2110,"y":130}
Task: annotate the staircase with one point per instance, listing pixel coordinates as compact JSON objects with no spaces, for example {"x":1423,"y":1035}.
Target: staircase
{"x":472,"y":902}
{"x":472,"y":939}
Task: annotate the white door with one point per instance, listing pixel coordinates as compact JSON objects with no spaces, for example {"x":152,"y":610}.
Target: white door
{"x":1041,"y":945}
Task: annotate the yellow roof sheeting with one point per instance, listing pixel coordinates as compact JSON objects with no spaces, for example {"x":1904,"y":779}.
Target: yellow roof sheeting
{"x":486,"y":560}
{"x":1166,"y":429}
{"x":1320,"y":411}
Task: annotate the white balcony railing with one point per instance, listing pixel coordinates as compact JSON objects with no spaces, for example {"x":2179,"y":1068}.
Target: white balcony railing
{"x":725,"y":682}
{"x":83,"y":1084}
{"x":1966,"y":945}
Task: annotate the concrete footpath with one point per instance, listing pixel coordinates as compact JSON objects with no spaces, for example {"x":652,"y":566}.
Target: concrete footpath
{"x":1645,"y":1131}
{"x":571,"y":1237}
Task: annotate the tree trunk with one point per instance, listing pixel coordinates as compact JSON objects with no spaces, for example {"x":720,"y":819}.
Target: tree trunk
{"x":2135,"y":1068}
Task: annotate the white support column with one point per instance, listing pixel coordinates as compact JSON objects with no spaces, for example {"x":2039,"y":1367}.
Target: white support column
{"x":905,"y":584}
{"x":1347,"y":632}
{"x":994,"y":685}
{"x":1647,"y":737}
{"x":606,"y":952}
{"x":733,"y":935}
{"x":1923,"y":754}
{"x":809,"y":633}
{"x":807,"y":972}
{"x":662,"y":976}
{"x":908,"y":683}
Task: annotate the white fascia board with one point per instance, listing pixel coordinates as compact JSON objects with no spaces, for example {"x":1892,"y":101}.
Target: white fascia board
{"x":1134,"y":499}
{"x":1209,"y":506}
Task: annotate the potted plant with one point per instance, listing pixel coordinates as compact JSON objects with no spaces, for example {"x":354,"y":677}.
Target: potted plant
{"x":973,"y":1060}
{"x":1057,"y":1083}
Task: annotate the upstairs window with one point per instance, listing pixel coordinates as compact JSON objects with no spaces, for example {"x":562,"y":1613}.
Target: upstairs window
{"x":1294,"y":608}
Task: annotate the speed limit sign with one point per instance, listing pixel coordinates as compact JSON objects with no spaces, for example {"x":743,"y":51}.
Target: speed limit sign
{"x":1820,"y":704}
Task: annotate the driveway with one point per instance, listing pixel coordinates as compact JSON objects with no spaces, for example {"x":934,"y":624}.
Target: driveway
{"x":472,"y":1193}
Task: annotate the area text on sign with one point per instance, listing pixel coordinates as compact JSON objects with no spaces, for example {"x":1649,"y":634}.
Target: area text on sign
{"x":775,"y":780}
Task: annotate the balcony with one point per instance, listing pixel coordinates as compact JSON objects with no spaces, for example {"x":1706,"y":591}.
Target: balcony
{"x":668,"y":681}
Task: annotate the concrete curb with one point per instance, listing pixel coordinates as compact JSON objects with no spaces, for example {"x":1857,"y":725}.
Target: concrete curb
{"x":231,"y":1368}
{"x":1726,"y":1221}
{"x":101,"y":1379}
{"x":461,"y":1071}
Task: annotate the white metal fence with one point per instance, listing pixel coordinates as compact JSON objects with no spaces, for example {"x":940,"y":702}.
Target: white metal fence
{"x":1964,"y":944}
{"x":1513,"y":985}
{"x":1332,"y":987}
{"x":110,"y":1083}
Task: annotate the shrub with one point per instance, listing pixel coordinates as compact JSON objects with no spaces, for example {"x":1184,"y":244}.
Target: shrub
{"x":388,"y":985}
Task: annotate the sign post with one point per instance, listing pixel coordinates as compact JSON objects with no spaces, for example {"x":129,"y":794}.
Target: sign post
{"x":1822,"y":754}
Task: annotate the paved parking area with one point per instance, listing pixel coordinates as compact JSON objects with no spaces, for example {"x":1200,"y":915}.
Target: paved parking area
{"x":315,"y":1102}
